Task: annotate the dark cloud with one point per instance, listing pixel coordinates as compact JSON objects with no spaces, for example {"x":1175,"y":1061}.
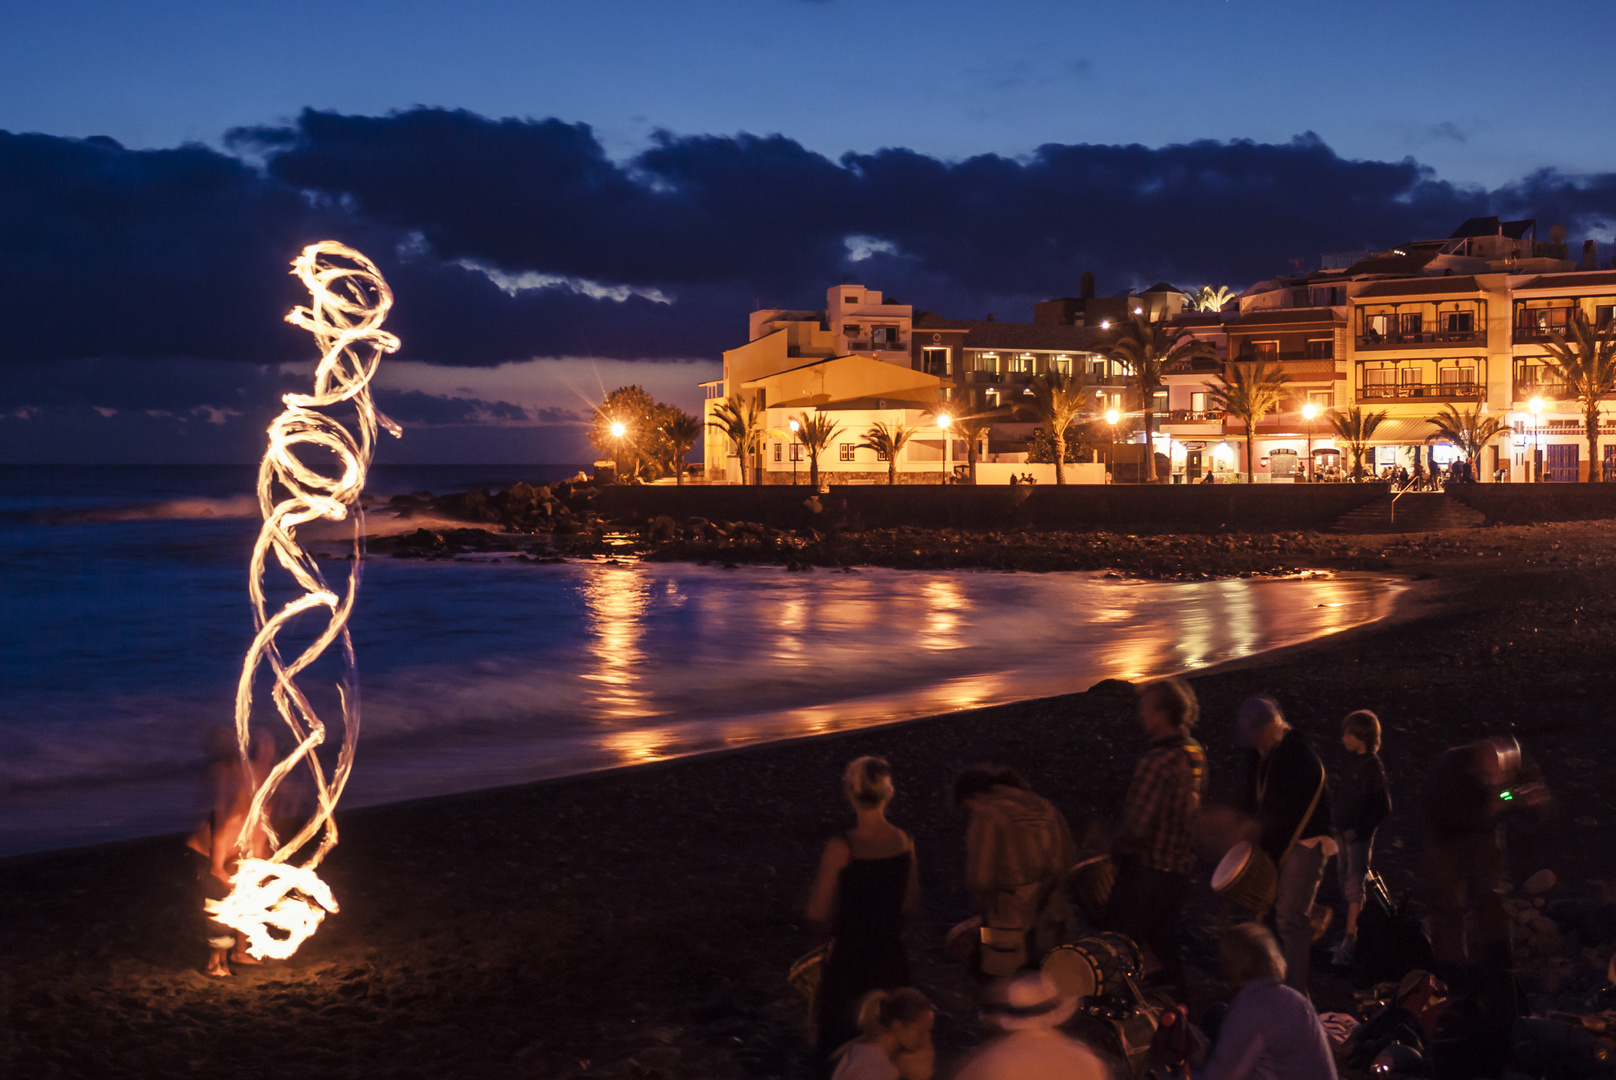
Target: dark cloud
{"x":416,"y":408}
{"x":120,"y":254}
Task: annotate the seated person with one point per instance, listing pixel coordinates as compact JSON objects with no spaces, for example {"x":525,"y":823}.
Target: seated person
{"x":1270,"y":1032}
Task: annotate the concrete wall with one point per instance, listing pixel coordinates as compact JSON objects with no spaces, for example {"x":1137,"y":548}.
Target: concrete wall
{"x":1526,"y":504}
{"x":1135,"y":508}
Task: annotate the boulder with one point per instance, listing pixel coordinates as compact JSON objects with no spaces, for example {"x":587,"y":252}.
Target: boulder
{"x":1540,"y":882}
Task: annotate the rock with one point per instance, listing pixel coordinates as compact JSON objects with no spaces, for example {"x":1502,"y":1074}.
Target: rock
{"x":1540,"y":882}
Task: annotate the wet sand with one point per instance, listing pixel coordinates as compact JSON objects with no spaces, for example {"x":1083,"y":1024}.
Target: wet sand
{"x":639,"y":923}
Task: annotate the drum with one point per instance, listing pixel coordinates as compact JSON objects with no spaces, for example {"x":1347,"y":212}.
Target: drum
{"x":1247,"y":876}
{"x":962,"y":940}
{"x":1092,"y":966}
{"x":1092,"y":881}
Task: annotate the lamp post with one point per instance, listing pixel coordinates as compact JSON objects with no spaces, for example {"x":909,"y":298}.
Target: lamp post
{"x":1536,"y":405}
{"x":1309,"y":411}
{"x":618,"y":429}
{"x":795,"y":427}
{"x":943,"y":420}
{"x":1111,"y":417}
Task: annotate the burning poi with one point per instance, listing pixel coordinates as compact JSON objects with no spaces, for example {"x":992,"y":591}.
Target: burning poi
{"x":274,"y":904}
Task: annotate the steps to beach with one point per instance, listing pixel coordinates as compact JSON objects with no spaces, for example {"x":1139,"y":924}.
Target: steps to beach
{"x":1424,"y":511}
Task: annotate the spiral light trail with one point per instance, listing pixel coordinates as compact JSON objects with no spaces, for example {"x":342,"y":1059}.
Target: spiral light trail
{"x":273,"y":903}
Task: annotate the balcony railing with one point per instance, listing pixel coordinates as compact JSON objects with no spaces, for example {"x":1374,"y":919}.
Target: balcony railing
{"x":1553,"y":389}
{"x":890,"y":345}
{"x":987,"y":376}
{"x":1192,"y":416}
{"x":1372,"y":340}
{"x":1452,"y":391}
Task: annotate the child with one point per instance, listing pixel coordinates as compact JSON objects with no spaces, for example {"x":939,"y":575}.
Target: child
{"x":896,"y":1044}
{"x":1362,"y":804}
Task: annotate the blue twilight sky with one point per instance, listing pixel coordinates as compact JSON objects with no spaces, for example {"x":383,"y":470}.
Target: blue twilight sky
{"x":999,"y":151}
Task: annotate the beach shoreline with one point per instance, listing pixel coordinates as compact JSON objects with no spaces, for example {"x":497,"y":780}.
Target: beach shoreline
{"x":639,"y":922}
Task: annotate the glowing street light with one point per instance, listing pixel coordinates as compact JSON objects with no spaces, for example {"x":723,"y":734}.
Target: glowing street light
{"x":619,"y":429}
{"x":795,"y":427}
{"x":1309,"y":411}
{"x":1536,"y":405}
{"x":943,"y":420}
{"x":1111,"y":417}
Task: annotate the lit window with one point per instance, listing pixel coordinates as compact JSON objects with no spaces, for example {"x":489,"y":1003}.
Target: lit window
{"x":777,"y":451}
{"x":844,"y":451}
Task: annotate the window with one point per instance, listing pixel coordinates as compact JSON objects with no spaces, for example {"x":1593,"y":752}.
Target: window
{"x":1461,"y":322}
{"x":777,"y":451}
{"x":1098,"y":369}
{"x":935,"y":362}
{"x":1603,"y":313}
{"x":1021,"y":364}
{"x":1061,"y":365}
{"x":1408,"y":376}
{"x":850,"y":329}
{"x":992,"y":399}
{"x":880,"y":455}
{"x":850,"y":299}
{"x":1381,"y":376}
{"x":1450,"y":375}
{"x":988,"y":362}
{"x":1260,"y":350}
{"x":844,"y":451}
{"x":796,"y":451}
{"x":1198,"y":401}
{"x":1412,"y":321}
{"x":885,"y":335}
{"x":1158,"y":401}
{"x":1321,"y":348}
{"x":1321,"y":399}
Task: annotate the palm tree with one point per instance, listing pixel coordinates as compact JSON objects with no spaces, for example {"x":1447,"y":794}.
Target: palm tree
{"x":1468,"y":429}
{"x":1149,"y":347}
{"x":971,"y":429}
{"x":1250,"y":391}
{"x":888,"y":443}
{"x":1586,"y":362}
{"x":815,"y":433}
{"x":1355,"y":428}
{"x":742,"y":421}
{"x":1057,"y":400}
{"x":1210,"y":299}
{"x":681,"y":430}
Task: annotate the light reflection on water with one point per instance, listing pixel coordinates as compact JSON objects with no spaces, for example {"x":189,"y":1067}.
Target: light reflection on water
{"x":482,"y":675}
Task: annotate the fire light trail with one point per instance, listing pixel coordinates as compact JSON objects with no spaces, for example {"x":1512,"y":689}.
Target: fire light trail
{"x":276,"y":905}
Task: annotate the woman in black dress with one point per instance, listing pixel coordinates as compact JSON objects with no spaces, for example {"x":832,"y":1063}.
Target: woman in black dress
{"x":868,"y":884}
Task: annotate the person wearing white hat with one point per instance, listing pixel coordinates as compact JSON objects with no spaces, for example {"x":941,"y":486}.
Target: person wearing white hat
{"x":1032,"y":1046}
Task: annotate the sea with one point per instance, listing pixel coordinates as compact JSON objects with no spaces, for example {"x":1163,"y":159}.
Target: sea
{"x":124,"y":618}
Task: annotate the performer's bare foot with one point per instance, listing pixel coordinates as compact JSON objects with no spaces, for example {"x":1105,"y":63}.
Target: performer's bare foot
{"x":217,"y":968}
{"x":239,"y":956}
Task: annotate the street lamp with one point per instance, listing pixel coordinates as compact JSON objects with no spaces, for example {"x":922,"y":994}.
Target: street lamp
{"x":1111,"y":417}
{"x":618,"y":430}
{"x":1536,"y":405}
{"x":1309,"y":411}
{"x":943,"y":420}
{"x":795,"y":427}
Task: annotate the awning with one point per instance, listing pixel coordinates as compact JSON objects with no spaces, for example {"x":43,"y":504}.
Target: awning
{"x":1402,"y":431}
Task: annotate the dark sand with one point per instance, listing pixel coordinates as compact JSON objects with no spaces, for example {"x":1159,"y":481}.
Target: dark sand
{"x":640,"y":923}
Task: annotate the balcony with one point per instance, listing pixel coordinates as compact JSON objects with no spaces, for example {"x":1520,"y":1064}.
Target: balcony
{"x":1192,"y":416}
{"x":1541,"y":332}
{"x":987,"y":376}
{"x":871,"y":345}
{"x":1417,"y":338}
{"x":1447,"y":391}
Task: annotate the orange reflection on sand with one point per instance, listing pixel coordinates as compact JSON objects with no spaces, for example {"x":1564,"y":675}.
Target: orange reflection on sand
{"x":616,"y":599}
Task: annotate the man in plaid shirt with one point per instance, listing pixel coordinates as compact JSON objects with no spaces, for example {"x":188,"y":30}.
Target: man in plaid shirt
{"x":1154,"y":849}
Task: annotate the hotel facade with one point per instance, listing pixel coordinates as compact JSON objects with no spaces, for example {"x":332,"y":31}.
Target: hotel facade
{"x":1460,"y":321}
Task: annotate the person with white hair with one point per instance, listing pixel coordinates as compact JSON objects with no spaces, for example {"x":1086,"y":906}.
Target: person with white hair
{"x":1031,"y":1046}
{"x":1286,"y":792}
{"x":868,"y":884}
{"x":1270,"y":1031}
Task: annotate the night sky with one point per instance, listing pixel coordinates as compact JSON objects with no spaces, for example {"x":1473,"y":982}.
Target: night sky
{"x":567,"y":197}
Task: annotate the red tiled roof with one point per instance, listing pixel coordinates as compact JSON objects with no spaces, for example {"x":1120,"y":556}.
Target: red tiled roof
{"x":1585,"y":278}
{"x":1430,"y":286}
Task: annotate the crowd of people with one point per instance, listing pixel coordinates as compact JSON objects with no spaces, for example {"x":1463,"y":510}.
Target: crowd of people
{"x":1297,"y":821}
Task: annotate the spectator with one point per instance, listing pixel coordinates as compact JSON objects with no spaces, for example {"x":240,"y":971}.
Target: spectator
{"x":1032,"y":1046}
{"x":1285,"y":791}
{"x":1154,"y":848}
{"x":896,"y":1044}
{"x":1464,"y":857}
{"x":868,"y":884}
{"x":1018,"y":850}
{"x":1362,"y":803}
{"x":1270,"y":1032}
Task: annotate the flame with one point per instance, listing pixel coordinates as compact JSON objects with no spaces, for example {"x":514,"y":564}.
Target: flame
{"x":275,"y":905}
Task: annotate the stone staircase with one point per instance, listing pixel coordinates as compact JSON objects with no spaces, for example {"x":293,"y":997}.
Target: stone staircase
{"x":1423,"y":511}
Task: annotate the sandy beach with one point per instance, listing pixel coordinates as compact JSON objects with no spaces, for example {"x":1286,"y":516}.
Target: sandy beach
{"x":640,"y":923}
